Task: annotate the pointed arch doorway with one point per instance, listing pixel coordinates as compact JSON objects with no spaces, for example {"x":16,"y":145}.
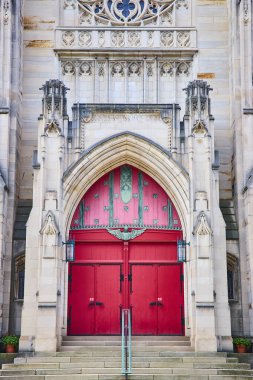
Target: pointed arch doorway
{"x":126,"y":231}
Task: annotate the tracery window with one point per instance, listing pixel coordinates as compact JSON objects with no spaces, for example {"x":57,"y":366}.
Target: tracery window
{"x":118,"y":12}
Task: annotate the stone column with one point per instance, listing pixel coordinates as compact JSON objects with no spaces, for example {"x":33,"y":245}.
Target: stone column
{"x":44,"y":252}
{"x":211,"y":330}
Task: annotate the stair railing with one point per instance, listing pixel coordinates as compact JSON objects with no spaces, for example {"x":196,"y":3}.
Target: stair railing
{"x":126,"y":342}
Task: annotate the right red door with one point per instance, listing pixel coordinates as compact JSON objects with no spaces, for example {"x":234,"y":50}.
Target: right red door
{"x":156,"y":299}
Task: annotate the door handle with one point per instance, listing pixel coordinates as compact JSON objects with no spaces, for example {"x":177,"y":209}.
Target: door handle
{"x":98,"y":303}
{"x":153,"y":303}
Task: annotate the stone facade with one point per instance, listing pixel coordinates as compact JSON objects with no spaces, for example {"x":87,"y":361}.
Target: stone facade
{"x":166,"y":88}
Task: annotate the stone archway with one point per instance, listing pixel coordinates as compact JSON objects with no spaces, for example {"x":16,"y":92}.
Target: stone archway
{"x":135,"y":150}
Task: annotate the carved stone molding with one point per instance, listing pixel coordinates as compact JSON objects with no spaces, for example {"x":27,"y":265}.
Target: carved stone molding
{"x":183,"y":39}
{"x":84,"y":39}
{"x":150,"y":69}
{"x":246,"y":11}
{"x":183,"y":68}
{"x":69,"y":4}
{"x":134,"y":39}
{"x":68,"y":38}
{"x":68,"y":68}
{"x":49,"y":226}
{"x":6,"y":12}
{"x":85,"y":68}
{"x":118,"y":39}
{"x":167,"y":39}
{"x":166,"y":69}
{"x":86,"y":116}
{"x":202,"y":227}
{"x":199,"y":128}
{"x":134,"y":68}
{"x":101,"y":68}
{"x":182,"y":3}
{"x":52,"y":128}
{"x":118,"y":69}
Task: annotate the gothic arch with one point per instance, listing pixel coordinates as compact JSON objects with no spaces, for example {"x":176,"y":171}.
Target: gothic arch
{"x":135,"y":150}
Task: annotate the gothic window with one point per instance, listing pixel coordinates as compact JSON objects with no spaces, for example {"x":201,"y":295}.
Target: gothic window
{"x":232,"y":277}
{"x":125,"y":12}
{"x":19,"y":277}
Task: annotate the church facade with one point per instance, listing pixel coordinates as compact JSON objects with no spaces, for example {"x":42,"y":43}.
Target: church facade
{"x":126,"y":169}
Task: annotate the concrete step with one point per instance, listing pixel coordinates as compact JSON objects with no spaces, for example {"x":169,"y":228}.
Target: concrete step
{"x":134,"y":338}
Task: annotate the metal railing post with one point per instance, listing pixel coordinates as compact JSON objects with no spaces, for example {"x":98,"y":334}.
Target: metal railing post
{"x":126,"y":342}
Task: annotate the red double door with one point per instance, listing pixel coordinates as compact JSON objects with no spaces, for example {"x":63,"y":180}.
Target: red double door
{"x":108,"y":277}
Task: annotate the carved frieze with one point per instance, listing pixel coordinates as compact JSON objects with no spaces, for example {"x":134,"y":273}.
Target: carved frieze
{"x":167,"y":39}
{"x":118,"y":69}
{"x":118,"y":39}
{"x":183,"y":39}
{"x":183,"y":68}
{"x":202,"y":227}
{"x":85,"y":68}
{"x":111,"y":39}
{"x":84,"y":39}
{"x":134,"y":68}
{"x":166,"y":69}
{"x":6,"y":12}
{"x":134,"y":39}
{"x":181,"y":3}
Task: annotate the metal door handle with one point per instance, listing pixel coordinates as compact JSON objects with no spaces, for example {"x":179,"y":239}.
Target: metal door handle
{"x":153,"y":303}
{"x":98,"y":303}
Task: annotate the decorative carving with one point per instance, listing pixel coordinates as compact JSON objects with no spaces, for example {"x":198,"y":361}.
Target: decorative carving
{"x":167,"y":18}
{"x":150,"y":39}
{"x":126,"y":183}
{"x":68,"y":68}
{"x":6,"y":7}
{"x":101,"y":68}
{"x":183,"y":39}
{"x":84,"y":38}
{"x":85,"y":18}
{"x":150,"y":67}
{"x":68,"y":38}
{"x":182,"y":3}
{"x":200,"y":128}
{"x":166,"y":69}
{"x":166,"y":117}
{"x":183,"y":68}
{"x":52,"y":128}
{"x":101,"y":38}
{"x":85,"y":69}
{"x":246,"y":11}
{"x":118,"y":39}
{"x":126,"y":235}
{"x":125,"y":12}
{"x":118,"y":69}
{"x":134,"y":39}
{"x":202,"y":227}
{"x":86,"y":116}
{"x":69,"y":4}
{"x":134,"y":69}
{"x":167,"y":39}
{"x":49,"y":227}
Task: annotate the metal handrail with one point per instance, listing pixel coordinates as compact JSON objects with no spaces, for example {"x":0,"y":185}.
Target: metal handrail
{"x":126,"y":342}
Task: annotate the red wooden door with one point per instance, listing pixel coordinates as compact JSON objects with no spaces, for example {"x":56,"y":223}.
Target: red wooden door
{"x":143,"y":290}
{"x":156,"y":299}
{"x":170,"y":299}
{"x":94,"y":299}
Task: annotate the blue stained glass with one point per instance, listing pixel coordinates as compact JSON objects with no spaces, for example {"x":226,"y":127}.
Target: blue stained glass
{"x":126,"y":6}
{"x":153,"y":9}
{"x":109,"y":4}
{"x":142,"y":5}
{"x":98,"y":8}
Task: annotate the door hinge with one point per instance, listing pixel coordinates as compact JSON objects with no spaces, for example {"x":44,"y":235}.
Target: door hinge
{"x":129,"y":277}
{"x":69,"y":277}
{"x":182,"y":277}
{"x":182,"y":321}
{"x":122,"y":277}
{"x":68,"y":321}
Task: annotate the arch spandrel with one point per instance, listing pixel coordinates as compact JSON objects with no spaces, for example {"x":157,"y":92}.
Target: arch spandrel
{"x":131,"y":149}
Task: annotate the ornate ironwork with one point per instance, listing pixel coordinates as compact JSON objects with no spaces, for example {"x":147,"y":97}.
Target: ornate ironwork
{"x":126,"y":235}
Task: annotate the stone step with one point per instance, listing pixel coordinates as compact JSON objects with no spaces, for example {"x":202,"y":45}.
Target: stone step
{"x":137,"y":338}
{"x":130,"y":377}
{"x":115,"y":348}
{"x":118,"y":343}
{"x":148,"y":371}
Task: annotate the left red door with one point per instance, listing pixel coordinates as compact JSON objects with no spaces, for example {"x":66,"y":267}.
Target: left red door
{"x":94,"y":293}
